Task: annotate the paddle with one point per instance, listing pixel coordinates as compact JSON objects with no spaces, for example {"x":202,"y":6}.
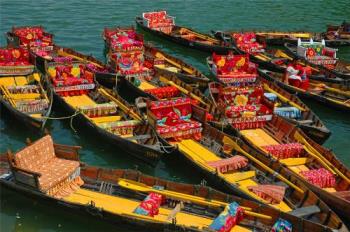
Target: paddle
{"x":312,"y":151}
{"x":185,"y":91}
{"x":204,"y":37}
{"x":279,"y":176}
{"x":161,"y":56}
{"x":334,"y":90}
{"x":136,"y":186}
{"x":8,"y":95}
{"x":284,"y":99}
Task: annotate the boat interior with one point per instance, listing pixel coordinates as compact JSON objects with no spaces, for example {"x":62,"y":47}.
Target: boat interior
{"x":26,"y":94}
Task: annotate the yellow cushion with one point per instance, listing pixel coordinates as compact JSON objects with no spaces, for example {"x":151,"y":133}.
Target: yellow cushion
{"x":23,"y":96}
{"x":36,"y":115}
{"x":239,"y":177}
{"x":12,"y":81}
{"x":259,"y":137}
{"x":145,"y":85}
{"x":293,"y":161}
{"x":52,"y":72}
{"x":106,"y":119}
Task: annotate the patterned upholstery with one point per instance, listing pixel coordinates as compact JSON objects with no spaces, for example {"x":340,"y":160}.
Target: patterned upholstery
{"x":40,"y":157}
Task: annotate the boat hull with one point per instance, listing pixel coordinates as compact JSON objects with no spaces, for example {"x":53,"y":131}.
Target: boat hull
{"x":184,"y":42}
{"x":146,"y":154}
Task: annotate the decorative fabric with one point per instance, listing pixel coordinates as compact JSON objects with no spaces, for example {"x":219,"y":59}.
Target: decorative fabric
{"x":164,"y":92}
{"x":14,"y":57}
{"x":150,"y":206}
{"x":228,"y":95}
{"x":174,"y":119}
{"x":282,"y":225}
{"x":33,"y":37}
{"x":40,"y":157}
{"x":288,"y":112}
{"x":32,"y":106}
{"x":273,"y":194}
{"x":318,"y":53}
{"x":159,"y":21}
{"x":247,"y":42}
{"x":234,"y":68}
{"x":230,"y":164}
{"x":123,"y":39}
{"x":120,"y":127}
{"x":319,"y":177}
{"x":71,"y":80}
{"x":99,"y":109}
{"x":285,"y":151}
{"x":227,"y":219}
{"x":22,"y":89}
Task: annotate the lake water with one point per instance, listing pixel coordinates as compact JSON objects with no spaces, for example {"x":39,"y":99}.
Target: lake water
{"x":79,"y":24}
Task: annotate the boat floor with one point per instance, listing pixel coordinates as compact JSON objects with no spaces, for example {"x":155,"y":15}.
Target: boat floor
{"x":84,"y":100}
{"x":260,"y":138}
{"x":21,"y":81}
{"x":120,"y":206}
{"x":202,"y":155}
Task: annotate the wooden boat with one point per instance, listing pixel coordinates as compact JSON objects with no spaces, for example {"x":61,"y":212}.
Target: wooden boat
{"x":284,"y":104}
{"x":330,"y":94}
{"x":227,"y":166}
{"x":341,"y":32}
{"x":25,"y":98}
{"x":311,"y":53}
{"x":151,"y":58}
{"x":278,"y":38}
{"x":32,"y":37}
{"x":67,"y":55}
{"x":163,"y":25}
{"x":114,"y":195}
{"x":313,"y":164}
{"x":99,"y":111}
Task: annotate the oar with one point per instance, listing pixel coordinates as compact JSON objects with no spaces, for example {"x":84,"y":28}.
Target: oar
{"x":120,"y":104}
{"x":334,"y":90}
{"x":136,"y":186}
{"x":161,"y":56}
{"x":284,"y":99}
{"x":312,"y":151}
{"x":185,"y":91}
{"x":36,"y":77}
{"x":268,"y":169}
{"x":205,"y":37}
{"x":62,"y":53}
{"x":280,"y":53}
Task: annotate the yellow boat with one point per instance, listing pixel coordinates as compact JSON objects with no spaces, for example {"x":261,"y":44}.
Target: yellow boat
{"x":25,"y":98}
{"x":118,"y":195}
{"x":102,"y":112}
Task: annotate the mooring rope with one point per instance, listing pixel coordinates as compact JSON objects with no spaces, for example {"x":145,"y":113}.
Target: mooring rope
{"x":71,"y":117}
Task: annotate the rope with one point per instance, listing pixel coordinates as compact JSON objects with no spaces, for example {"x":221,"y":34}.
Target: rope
{"x":76,"y":113}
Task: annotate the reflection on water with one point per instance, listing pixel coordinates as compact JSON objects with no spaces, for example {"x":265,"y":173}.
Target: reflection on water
{"x":79,"y":24}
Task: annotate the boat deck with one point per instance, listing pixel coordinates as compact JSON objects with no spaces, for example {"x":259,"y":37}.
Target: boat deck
{"x":260,"y":138}
{"x":118,"y":205}
{"x":202,"y":155}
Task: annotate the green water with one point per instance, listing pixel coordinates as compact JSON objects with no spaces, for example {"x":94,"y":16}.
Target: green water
{"x":79,"y":24}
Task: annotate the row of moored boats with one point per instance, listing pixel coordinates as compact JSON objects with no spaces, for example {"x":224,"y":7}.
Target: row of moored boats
{"x":244,"y":130}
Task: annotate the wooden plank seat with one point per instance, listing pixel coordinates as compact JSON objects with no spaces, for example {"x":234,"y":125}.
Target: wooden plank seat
{"x":106,"y":119}
{"x":294,"y":161}
{"x":39,"y":161}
